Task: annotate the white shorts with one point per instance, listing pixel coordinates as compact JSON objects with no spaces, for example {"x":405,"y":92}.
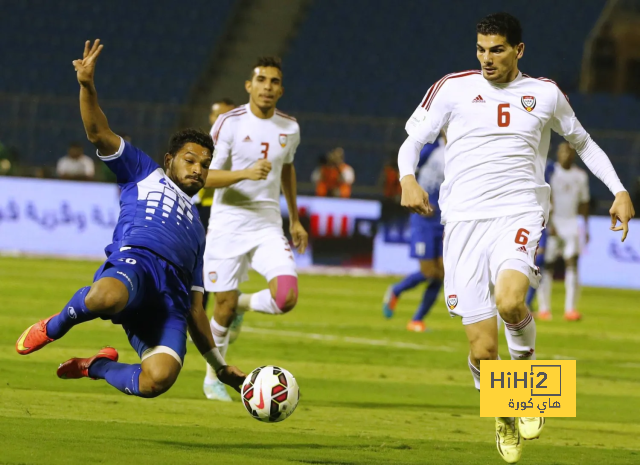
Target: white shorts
{"x":566,"y":241}
{"x":272,"y":257}
{"x":474,"y":253}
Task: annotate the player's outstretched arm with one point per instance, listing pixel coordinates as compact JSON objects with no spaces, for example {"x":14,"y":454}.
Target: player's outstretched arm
{"x":225,"y":178}
{"x":94,"y":120}
{"x":289,"y":189}
{"x":200,"y":331}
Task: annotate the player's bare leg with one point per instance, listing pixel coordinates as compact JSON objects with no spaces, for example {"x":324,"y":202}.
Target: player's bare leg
{"x":483,"y":345}
{"x":520,"y":331}
{"x":224,"y":313}
{"x":159,"y":373}
{"x":572,"y":290}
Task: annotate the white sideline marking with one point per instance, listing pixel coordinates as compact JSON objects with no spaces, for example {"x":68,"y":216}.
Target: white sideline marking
{"x":351,"y":340}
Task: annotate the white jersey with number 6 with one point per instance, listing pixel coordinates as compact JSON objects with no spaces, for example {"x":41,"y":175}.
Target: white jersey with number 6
{"x":497,"y":142}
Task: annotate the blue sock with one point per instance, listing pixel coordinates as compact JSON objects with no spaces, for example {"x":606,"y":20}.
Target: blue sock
{"x":429,"y":297}
{"x":409,"y":282}
{"x":530,"y":295}
{"x":122,"y":376}
{"x":75,"y":312}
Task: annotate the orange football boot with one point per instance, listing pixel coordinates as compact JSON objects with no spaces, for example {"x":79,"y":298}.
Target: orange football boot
{"x":416,"y":326}
{"x":79,"y":367}
{"x":544,"y":315}
{"x":573,"y":315}
{"x":34,"y":337}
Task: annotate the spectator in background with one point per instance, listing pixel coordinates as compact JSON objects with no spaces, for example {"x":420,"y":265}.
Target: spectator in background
{"x":389,"y":180}
{"x":219,"y":107}
{"x":335,"y":177}
{"x":75,"y":164}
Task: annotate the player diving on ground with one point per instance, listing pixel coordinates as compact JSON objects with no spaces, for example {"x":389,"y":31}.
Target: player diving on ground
{"x":151,"y":282}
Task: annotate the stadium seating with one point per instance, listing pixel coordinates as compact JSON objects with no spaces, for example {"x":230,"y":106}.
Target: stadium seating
{"x":154,"y":52}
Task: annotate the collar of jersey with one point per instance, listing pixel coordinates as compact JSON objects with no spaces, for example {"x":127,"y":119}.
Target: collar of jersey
{"x":504,"y":85}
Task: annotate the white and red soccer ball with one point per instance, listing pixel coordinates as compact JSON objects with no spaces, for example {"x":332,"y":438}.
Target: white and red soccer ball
{"x":270,"y":394}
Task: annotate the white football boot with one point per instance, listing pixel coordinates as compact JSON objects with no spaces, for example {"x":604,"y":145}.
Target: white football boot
{"x":508,"y":440}
{"x":215,"y":390}
{"x":530,"y":427}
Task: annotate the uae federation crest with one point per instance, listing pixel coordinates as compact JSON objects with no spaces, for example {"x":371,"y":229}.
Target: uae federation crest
{"x":528,"y":102}
{"x":283,"y":140}
{"x":452,"y":301}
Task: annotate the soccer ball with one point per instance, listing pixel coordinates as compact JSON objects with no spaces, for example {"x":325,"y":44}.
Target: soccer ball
{"x":270,"y":394}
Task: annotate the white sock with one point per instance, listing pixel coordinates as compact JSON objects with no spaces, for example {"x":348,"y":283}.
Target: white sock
{"x":571,"y":288}
{"x":221,"y":338}
{"x":264,"y":303}
{"x":544,"y":290}
{"x":521,"y":339}
{"x":475,"y":372}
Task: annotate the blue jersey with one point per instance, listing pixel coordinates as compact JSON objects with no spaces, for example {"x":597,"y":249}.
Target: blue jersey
{"x":431,"y":174}
{"x":155,"y":214}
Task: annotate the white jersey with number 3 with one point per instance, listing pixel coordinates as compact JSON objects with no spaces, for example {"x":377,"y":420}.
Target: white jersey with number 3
{"x":244,"y":209}
{"x":497,"y":142}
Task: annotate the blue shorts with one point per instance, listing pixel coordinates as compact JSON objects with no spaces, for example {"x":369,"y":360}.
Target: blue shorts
{"x":159,"y":299}
{"x":426,"y":237}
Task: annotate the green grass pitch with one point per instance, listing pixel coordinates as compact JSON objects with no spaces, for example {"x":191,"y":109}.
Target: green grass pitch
{"x":371,"y":392}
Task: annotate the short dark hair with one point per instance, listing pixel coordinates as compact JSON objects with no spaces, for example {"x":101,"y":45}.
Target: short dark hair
{"x":502,"y":24}
{"x":184,"y":136}
{"x":267,"y":62}
{"x":225,"y":101}
{"x":76,"y":144}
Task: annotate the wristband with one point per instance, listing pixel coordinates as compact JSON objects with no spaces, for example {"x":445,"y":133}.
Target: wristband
{"x":214,"y":359}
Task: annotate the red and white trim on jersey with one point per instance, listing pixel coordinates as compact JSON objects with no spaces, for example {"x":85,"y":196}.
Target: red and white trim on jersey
{"x":222,"y":118}
{"x":433,"y":90}
{"x":544,"y":79}
{"x":284,"y":115}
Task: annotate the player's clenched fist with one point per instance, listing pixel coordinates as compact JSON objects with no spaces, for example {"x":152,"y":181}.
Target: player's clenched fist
{"x":259,"y":170}
{"x":231,"y":376}
{"x":86,"y":67}
{"x":414,"y":197}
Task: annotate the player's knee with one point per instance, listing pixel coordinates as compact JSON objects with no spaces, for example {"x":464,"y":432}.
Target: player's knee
{"x":106,"y":297}
{"x":509,"y":305}
{"x":157,"y":379}
{"x":286,"y":296}
{"x":484,"y":351}
{"x":226,"y":303}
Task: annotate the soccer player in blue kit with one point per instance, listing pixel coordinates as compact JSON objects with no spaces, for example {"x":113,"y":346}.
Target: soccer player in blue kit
{"x":426,"y":241}
{"x":151,"y":282}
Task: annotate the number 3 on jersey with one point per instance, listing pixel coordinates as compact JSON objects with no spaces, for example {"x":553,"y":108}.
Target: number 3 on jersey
{"x":504,"y":118}
{"x":265,"y":151}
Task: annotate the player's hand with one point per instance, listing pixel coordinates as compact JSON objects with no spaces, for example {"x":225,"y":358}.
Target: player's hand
{"x":622,"y":210}
{"x":299,"y":236}
{"x":259,"y":170}
{"x":414,"y":197}
{"x":231,"y":376}
{"x":86,"y":67}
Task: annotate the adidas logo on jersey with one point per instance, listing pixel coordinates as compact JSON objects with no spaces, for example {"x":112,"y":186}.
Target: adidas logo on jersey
{"x":247,"y":139}
{"x":478,"y":99}
{"x":522,"y":249}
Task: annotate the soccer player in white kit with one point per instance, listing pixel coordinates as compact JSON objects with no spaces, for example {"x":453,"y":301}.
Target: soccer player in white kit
{"x":570,"y":197}
{"x":255,"y":145}
{"x":494,"y":199}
